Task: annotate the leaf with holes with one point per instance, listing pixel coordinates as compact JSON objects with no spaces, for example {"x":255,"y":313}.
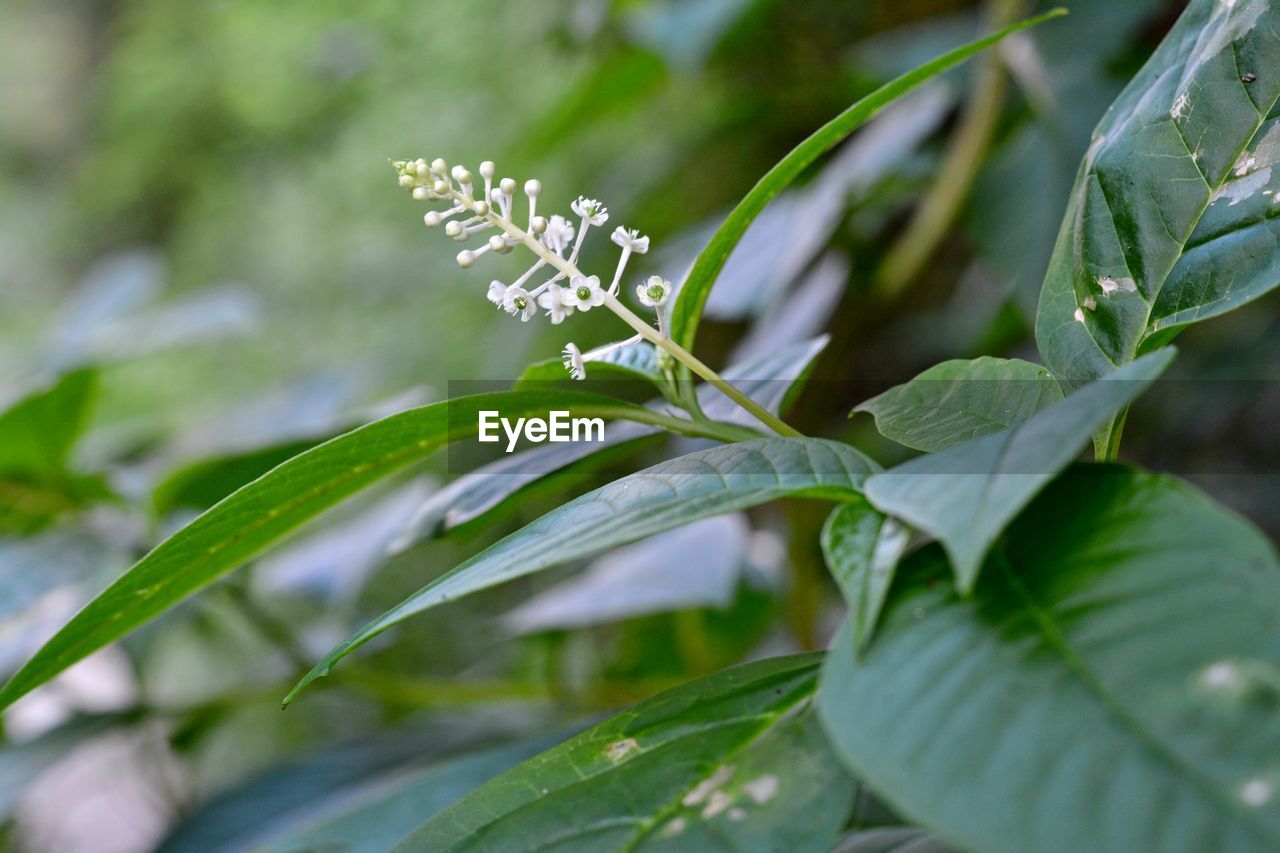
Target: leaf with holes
{"x":671,"y":494}
{"x":734,"y":761}
{"x":1112,"y":684}
{"x":1173,"y":215}
{"x":966,"y":494}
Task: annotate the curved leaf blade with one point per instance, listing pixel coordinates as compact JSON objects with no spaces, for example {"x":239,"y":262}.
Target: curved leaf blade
{"x":862,"y":549}
{"x":1168,"y":149}
{"x":960,"y":400}
{"x":734,"y":761}
{"x":257,"y":515}
{"x":1075,"y":729}
{"x":687,"y":309}
{"x":965,"y":495}
{"x":636,"y":362}
{"x":670,"y":494}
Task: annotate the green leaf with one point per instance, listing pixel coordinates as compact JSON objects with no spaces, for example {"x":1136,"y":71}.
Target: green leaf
{"x":1112,"y":684}
{"x":687,"y":309}
{"x":373,"y":819}
{"x":965,"y":495}
{"x":734,"y":761}
{"x":1151,"y":240}
{"x":201,"y":484}
{"x":673,"y":493}
{"x":38,"y":431}
{"x":957,"y":401}
{"x":862,"y":549}
{"x":638,"y":361}
{"x":769,"y":380}
{"x":264,"y":511}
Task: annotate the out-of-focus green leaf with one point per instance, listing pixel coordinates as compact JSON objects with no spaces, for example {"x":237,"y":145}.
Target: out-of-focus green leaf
{"x":957,"y":401}
{"x":1157,"y":234}
{"x":673,"y":493}
{"x":1112,"y":684}
{"x":734,"y":761}
{"x":687,"y":309}
{"x":862,"y":549}
{"x":769,"y":379}
{"x":264,"y":511}
{"x":638,"y":361}
{"x":38,"y":431}
{"x":200,"y":485}
{"x":375,"y":817}
{"x":965,"y":495}
{"x":890,"y":839}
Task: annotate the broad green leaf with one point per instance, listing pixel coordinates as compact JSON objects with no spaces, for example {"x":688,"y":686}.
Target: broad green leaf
{"x":264,"y":511}
{"x":710,"y":482}
{"x":862,"y":549}
{"x":687,"y":309}
{"x":966,"y":494}
{"x":38,"y":431}
{"x":890,"y":839}
{"x":957,"y":401}
{"x":1112,"y":684}
{"x":769,"y":379}
{"x":375,"y":817}
{"x":201,"y":484}
{"x":1170,"y":196}
{"x":638,"y":361}
{"x":734,"y":761}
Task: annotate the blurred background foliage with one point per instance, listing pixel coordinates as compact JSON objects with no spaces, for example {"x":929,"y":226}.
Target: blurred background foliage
{"x":205,"y":267}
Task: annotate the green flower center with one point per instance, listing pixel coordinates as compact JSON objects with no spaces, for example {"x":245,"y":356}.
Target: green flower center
{"x":520,"y":302}
{"x":584,"y":292}
{"x":655,"y":292}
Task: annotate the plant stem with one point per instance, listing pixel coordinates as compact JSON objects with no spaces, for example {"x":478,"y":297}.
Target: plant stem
{"x":646,"y":331}
{"x":1106,"y":445}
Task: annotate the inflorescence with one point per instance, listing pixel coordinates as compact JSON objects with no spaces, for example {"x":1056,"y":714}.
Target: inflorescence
{"x":475,"y":209}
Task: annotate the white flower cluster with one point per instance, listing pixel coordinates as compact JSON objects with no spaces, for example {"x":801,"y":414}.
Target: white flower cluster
{"x":555,"y":240}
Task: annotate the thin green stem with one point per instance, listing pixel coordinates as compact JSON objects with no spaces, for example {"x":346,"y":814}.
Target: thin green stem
{"x":629,"y":317}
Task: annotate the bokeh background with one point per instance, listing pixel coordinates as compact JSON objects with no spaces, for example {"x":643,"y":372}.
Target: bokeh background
{"x":201,"y":240}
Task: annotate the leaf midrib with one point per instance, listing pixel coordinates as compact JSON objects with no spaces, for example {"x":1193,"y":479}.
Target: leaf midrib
{"x":1057,"y":642}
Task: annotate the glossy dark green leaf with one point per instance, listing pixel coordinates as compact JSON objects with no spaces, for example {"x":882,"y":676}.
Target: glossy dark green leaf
{"x":201,"y":484}
{"x":671,"y":494}
{"x":687,"y":309}
{"x":768,"y":379}
{"x":264,"y":511}
{"x":38,"y":431}
{"x":638,"y":361}
{"x":1113,"y":683}
{"x":1168,"y":223}
{"x":735,"y":761}
{"x":862,"y":548}
{"x":966,"y":494}
{"x":957,"y":401}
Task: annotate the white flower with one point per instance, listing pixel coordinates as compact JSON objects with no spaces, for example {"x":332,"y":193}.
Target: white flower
{"x":557,"y":310}
{"x":630,"y":239}
{"x":591,"y":210}
{"x":497,"y":290}
{"x":559,"y":234}
{"x":572,"y":357}
{"x":517,"y":301}
{"x":582,"y":293}
{"x":654,"y":292}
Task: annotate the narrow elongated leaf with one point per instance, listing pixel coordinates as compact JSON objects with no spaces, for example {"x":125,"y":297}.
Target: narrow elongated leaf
{"x":671,"y":494}
{"x":862,"y":549}
{"x":966,"y":494}
{"x":38,"y":431}
{"x":1111,"y":685}
{"x":687,"y":309}
{"x":1169,"y":150}
{"x":638,"y":361}
{"x":956,"y":401}
{"x":264,"y":511}
{"x":735,"y":761}
{"x":768,"y":380}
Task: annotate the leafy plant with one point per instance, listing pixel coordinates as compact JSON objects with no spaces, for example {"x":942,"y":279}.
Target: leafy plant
{"x":1039,"y":653}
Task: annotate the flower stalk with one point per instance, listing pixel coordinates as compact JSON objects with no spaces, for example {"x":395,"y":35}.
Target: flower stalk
{"x":548,"y":238}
